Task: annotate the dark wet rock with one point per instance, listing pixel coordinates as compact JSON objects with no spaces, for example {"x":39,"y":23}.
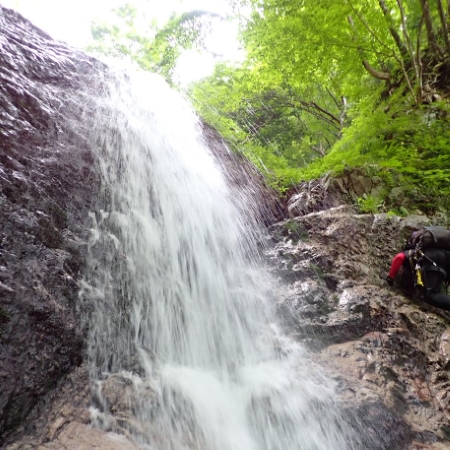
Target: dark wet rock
{"x":245,"y":181}
{"x":386,"y":429}
{"x":47,"y":186}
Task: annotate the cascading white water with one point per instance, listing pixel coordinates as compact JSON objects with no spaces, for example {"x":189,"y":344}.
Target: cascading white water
{"x":181,"y":309}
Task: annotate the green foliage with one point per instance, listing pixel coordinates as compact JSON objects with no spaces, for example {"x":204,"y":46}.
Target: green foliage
{"x":401,"y":211}
{"x":369,"y":204}
{"x":296,"y":231}
{"x":413,"y":142}
{"x":302,"y":73}
{"x":152,"y":48}
{"x":302,"y":104}
{"x":325,"y":86}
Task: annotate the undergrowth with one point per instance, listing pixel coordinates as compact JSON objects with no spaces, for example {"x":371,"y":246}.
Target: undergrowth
{"x":408,"y":148}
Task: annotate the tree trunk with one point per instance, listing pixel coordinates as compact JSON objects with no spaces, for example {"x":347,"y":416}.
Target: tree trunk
{"x":444,"y":25}
{"x":419,"y":63}
{"x":400,"y":45}
{"x":407,"y":38}
{"x":432,"y":43}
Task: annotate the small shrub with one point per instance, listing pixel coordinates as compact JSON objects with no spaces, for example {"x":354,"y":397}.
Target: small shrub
{"x":296,"y":231}
{"x":401,"y":211}
{"x":369,"y":204}
{"x":318,"y":271}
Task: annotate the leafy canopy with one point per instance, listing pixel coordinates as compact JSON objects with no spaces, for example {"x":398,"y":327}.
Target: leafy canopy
{"x":325,"y":84}
{"x":152,"y":48}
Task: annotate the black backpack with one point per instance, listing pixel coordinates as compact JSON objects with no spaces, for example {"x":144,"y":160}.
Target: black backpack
{"x":429,"y":237}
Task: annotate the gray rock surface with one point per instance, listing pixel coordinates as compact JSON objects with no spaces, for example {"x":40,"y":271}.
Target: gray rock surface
{"x":47,"y":186}
{"x":78,"y":436}
{"x":389,"y":353}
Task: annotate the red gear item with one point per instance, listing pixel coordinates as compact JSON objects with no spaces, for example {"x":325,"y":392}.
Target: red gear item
{"x":397,"y":262}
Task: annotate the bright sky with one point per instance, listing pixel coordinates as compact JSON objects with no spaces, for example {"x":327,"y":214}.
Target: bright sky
{"x":70,"y":21}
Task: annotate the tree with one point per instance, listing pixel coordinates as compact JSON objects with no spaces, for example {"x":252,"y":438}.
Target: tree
{"x":317,"y":68}
{"x":152,"y":48}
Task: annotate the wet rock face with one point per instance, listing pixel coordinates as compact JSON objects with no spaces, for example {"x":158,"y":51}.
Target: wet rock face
{"x":389,"y":353}
{"x":46,"y":189}
{"x":245,"y":182}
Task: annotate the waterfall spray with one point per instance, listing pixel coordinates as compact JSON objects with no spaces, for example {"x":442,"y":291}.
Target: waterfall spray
{"x":182,"y":313}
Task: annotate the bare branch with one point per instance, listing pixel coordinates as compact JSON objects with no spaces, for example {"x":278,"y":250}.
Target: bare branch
{"x":320,"y":150}
{"x":408,"y":81}
{"x":316,"y":106}
{"x":338,"y":104}
{"x":310,"y":107}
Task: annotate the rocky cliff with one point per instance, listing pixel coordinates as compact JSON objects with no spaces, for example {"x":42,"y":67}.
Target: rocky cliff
{"x":47,"y":187}
{"x":389,"y":354}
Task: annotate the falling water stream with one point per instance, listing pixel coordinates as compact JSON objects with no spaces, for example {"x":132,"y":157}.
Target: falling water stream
{"x":183,"y":318}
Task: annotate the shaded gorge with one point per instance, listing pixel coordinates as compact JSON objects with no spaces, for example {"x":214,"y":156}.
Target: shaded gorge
{"x":140,"y":306}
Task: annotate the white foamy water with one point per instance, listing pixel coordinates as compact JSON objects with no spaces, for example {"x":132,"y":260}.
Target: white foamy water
{"x":180,"y":304}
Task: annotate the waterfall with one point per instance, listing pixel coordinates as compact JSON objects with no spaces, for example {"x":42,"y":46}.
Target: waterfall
{"x":183,"y":322}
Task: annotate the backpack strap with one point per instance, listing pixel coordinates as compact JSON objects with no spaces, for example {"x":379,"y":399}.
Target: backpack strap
{"x":414,"y":258}
{"x":435,"y":269}
{"x":420,"y":255}
{"x":418,"y":269}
